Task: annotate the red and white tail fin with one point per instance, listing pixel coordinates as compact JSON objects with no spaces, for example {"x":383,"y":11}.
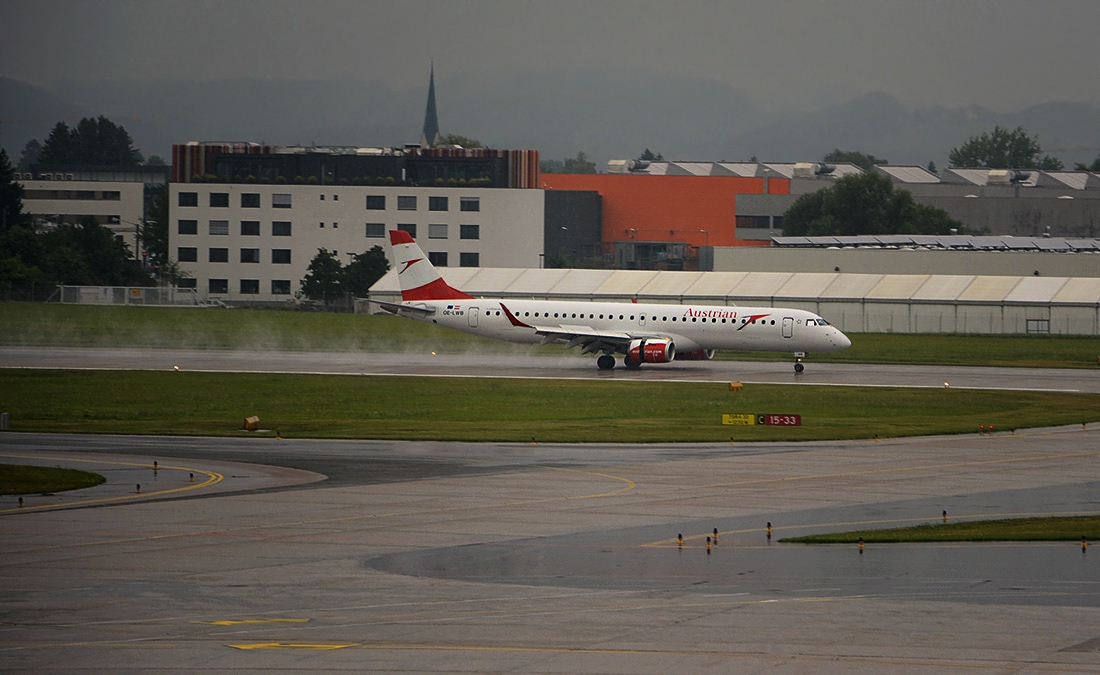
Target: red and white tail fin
{"x":418,"y":278}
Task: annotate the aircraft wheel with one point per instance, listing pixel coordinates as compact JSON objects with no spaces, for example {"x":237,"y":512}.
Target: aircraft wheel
{"x":606,"y":362}
{"x":798,"y":367}
{"x":631,"y":363}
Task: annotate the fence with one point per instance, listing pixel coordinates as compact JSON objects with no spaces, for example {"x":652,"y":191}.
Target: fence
{"x":129,"y":295}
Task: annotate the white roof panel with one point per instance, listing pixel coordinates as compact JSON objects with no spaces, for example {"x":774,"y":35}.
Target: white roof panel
{"x":945,"y":287}
{"x":760,"y":284}
{"x":989,"y":289}
{"x":897,"y":286}
{"x":806,"y":284}
{"x":1080,"y":290}
{"x":714,"y":284}
{"x":577,"y":282}
{"x":671,"y":283}
{"x":1036,"y":289}
{"x":851,"y":286}
{"x":488,"y":280}
{"x":625,"y":282}
{"x":536,"y":281}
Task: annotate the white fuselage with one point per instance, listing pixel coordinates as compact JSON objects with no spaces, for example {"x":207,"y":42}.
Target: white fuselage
{"x":690,"y":327}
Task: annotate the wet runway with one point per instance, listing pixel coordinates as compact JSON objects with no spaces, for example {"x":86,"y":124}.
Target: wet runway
{"x":307,"y":556}
{"x":566,"y":366}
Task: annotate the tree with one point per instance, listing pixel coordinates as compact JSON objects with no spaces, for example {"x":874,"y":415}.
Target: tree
{"x":154,"y":229}
{"x":578,"y":164}
{"x":932,"y":168}
{"x":865,"y":203}
{"x":93,"y":141}
{"x":155,"y":160}
{"x":552,"y":166}
{"x":865,"y":162}
{"x":648,"y":156}
{"x":461,"y":141}
{"x":364,"y":270}
{"x":11,"y":195}
{"x":1094,"y":167}
{"x":29,"y":156}
{"x":1003,"y":149}
{"x":324,"y":279}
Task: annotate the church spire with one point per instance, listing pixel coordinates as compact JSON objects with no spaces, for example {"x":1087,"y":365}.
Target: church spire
{"x":430,"y":135}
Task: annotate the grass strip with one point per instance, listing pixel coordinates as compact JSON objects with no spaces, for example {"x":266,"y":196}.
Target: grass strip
{"x":476,"y":409}
{"x":1069,"y":528}
{"x":18,"y":479}
{"x":41,"y":324}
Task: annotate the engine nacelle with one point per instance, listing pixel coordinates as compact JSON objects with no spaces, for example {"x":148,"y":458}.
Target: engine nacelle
{"x":695,"y":355}
{"x":651,"y":351}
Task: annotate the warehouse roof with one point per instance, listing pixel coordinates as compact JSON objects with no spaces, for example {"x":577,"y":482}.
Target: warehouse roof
{"x":756,"y":287}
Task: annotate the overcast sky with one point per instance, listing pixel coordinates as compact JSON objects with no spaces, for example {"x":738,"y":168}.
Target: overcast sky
{"x":1003,"y":55}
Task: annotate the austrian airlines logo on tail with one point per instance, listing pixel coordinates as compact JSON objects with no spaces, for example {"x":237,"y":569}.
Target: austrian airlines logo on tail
{"x":408,"y":264}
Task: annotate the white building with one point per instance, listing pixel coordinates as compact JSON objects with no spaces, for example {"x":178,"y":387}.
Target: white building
{"x":254,"y":242}
{"x":117,"y":205}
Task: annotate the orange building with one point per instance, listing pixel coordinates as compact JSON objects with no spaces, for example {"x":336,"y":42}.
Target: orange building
{"x":694,"y":210}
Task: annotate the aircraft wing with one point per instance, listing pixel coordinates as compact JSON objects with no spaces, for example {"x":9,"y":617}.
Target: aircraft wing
{"x":587,"y":338}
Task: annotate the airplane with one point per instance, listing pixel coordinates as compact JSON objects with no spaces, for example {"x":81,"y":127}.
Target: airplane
{"x":641,"y":332}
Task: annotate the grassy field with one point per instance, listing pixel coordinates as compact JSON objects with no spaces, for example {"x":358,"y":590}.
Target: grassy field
{"x":1016,"y":529}
{"x":16,"y":479}
{"x":78,"y":325}
{"x":352,"y":406}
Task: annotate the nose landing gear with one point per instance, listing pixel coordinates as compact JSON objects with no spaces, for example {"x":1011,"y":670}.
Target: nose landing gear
{"x":798,"y":365}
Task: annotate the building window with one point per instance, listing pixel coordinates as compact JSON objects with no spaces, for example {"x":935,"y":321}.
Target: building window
{"x":219,"y":199}
{"x":437,"y":231}
{"x":250,"y":255}
{"x":250,"y":200}
{"x":280,"y":256}
{"x":218,"y":285}
{"x":408,"y":227}
{"x":280,"y":286}
{"x":406,"y":203}
{"x":189,"y":199}
{"x":219,"y":227}
{"x":112,"y":195}
{"x":219,"y":255}
{"x":1038,"y":326}
{"x":250,"y":228}
{"x":376,"y":230}
{"x":250,"y":286}
{"x":469,"y":232}
{"x":469,"y":260}
{"x":753,"y":222}
{"x":376,"y":202}
{"x":187,"y":254}
{"x":280,"y":201}
{"x":280,"y":228}
{"x":437,"y":203}
{"x":469,"y":203}
{"x":188,"y":227}
{"x":187,"y":283}
{"x":335,"y":198}
{"x":438,"y":258}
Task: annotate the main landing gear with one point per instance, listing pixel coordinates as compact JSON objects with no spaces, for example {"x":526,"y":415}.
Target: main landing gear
{"x":606,"y":362}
